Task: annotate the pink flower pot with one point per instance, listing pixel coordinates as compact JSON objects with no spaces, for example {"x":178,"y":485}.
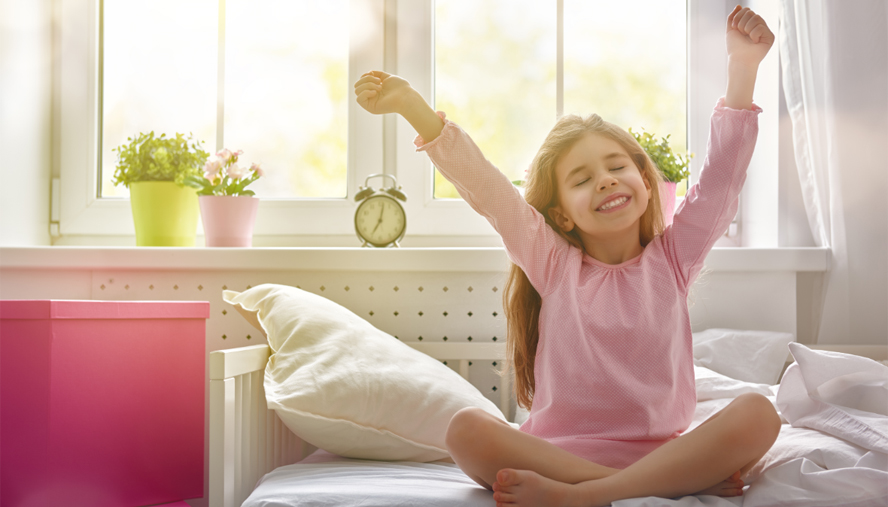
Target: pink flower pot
{"x":667,"y":201}
{"x":228,"y":219}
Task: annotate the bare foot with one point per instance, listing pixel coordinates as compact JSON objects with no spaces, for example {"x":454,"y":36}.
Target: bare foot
{"x":528,"y":488}
{"x":732,"y":486}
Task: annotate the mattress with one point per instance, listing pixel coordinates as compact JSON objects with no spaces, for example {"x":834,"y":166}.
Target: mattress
{"x":830,"y":452}
{"x":323,"y":479}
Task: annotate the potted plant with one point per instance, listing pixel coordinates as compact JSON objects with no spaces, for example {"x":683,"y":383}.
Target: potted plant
{"x":227,"y":208}
{"x":154,"y":169}
{"x":673,"y":166}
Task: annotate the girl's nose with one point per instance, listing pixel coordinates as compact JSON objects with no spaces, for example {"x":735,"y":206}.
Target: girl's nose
{"x":608,"y":181}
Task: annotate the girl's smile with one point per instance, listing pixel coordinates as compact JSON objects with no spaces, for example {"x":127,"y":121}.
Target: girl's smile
{"x":614,"y":202}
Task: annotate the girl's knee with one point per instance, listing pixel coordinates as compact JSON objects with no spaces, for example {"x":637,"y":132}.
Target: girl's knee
{"x":756,"y":404}
{"x":463,"y":423}
{"x":758,"y":413}
{"x":469,"y":426}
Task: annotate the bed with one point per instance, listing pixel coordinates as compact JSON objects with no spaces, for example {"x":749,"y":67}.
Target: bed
{"x":832,"y":449}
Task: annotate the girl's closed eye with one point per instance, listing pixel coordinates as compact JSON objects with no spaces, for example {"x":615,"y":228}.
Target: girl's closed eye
{"x":618,"y":168}
{"x":581,"y":182}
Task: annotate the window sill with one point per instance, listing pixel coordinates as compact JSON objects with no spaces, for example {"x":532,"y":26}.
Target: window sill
{"x":480,"y":259}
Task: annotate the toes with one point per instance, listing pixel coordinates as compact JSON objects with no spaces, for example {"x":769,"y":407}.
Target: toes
{"x":504,"y":498}
{"x":732,"y":491}
{"x":736,"y":482}
{"x":507,"y":477}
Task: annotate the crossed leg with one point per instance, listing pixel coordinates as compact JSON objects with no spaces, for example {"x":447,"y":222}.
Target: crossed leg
{"x":732,"y":440}
{"x":482,"y":445}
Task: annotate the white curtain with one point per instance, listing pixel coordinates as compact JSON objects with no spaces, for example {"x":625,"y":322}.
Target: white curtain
{"x":807,"y":59}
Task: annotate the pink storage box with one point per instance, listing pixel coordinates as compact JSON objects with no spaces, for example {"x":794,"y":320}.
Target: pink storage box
{"x":101,"y":402}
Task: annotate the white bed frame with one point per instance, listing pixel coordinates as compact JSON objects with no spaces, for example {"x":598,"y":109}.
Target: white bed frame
{"x":247,"y":440}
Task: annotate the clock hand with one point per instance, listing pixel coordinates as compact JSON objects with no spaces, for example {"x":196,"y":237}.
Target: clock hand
{"x":378,"y":221}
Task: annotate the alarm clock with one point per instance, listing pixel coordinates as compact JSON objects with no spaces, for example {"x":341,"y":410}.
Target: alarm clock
{"x":380,"y":220}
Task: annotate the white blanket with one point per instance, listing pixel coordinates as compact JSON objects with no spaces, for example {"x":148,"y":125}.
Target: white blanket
{"x":833,"y":451}
{"x":830,"y":452}
{"x":843,"y":395}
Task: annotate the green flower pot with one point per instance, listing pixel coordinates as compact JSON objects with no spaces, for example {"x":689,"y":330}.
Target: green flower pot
{"x":164,"y":213}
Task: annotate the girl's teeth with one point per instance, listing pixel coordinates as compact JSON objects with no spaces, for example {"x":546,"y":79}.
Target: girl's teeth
{"x":611,"y":204}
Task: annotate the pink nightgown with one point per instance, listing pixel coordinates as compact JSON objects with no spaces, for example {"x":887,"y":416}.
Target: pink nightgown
{"x":614,"y":364}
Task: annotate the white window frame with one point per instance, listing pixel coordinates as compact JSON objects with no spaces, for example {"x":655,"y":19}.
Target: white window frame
{"x":427,"y":216}
{"x":756,"y":224}
{"x":82,"y":213}
{"x":385,"y":144}
{"x":707,"y":70}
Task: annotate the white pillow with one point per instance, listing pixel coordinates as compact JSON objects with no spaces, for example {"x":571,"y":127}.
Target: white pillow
{"x":750,"y":356}
{"x":346,"y":387}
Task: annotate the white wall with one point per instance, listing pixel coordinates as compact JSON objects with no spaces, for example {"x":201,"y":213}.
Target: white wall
{"x":25,"y":121}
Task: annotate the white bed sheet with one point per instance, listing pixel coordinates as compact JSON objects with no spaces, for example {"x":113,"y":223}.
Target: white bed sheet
{"x":325,"y":480}
{"x":806,"y":467}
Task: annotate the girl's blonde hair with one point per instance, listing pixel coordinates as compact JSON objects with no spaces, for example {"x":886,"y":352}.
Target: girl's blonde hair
{"x":521,"y":301}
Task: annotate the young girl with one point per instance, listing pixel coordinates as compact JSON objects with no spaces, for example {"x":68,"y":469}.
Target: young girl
{"x":598,"y":326}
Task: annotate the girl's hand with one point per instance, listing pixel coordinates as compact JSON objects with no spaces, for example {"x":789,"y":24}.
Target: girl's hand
{"x":380,"y":93}
{"x":748,"y":37}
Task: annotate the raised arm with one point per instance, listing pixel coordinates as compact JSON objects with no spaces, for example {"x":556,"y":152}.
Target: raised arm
{"x":748,"y":41}
{"x":380,"y":93}
{"x":712,"y":201}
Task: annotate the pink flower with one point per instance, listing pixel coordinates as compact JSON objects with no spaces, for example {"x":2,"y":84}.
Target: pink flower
{"x":224,"y":154}
{"x":258,"y":168}
{"x":236,"y":172}
{"x":212,"y":168}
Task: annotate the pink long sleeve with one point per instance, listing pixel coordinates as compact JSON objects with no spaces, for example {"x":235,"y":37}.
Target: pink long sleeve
{"x":614,"y":364}
{"x":711,"y":203}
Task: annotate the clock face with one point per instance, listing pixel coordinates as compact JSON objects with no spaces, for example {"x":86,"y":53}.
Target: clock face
{"x":380,"y":220}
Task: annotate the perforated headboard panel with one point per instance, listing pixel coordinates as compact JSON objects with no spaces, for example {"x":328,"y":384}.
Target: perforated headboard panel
{"x":427,"y":306}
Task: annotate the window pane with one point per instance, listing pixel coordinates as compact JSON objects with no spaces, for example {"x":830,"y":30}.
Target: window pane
{"x":627,"y":62}
{"x":495,"y":77}
{"x":159,"y":74}
{"x":286,"y":88}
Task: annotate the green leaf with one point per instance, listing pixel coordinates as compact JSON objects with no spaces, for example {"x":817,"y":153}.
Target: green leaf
{"x":674,"y":167}
{"x":150,"y":158}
